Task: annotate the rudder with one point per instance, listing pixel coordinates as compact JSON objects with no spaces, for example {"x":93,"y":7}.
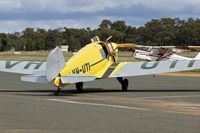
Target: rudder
{"x":55,"y":63}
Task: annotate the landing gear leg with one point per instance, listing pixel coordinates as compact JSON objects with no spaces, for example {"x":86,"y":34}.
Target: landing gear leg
{"x":79,"y":86}
{"x":57,"y":92}
{"x":124,"y":83}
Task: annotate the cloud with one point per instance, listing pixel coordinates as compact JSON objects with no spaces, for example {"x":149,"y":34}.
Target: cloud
{"x":68,"y":6}
{"x":16,"y":15}
{"x":11,"y":26}
{"x":10,"y":5}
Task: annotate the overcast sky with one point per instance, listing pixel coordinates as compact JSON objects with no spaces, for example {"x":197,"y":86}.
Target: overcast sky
{"x":16,"y":15}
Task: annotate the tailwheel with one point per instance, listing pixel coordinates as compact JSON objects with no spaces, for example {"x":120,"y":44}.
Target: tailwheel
{"x":124,"y":83}
{"x":79,"y":86}
{"x":57,"y":92}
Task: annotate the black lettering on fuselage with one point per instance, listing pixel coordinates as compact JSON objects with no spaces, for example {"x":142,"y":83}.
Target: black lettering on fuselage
{"x":75,"y":71}
{"x":84,"y":68}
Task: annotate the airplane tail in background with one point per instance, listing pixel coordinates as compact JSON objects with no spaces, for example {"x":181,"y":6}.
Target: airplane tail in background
{"x":198,"y":56}
{"x":55,"y":63}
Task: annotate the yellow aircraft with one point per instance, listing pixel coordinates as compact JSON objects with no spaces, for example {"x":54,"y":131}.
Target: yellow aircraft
{"x":96,"y":60}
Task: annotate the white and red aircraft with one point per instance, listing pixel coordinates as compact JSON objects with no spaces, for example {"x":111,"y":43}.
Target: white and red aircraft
{"x":161,"y":53}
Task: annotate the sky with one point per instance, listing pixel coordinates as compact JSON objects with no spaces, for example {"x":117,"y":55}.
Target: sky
{"x":16,"y":15}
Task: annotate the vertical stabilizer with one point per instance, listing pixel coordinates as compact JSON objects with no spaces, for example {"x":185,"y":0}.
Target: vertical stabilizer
{"x":55,"y":63}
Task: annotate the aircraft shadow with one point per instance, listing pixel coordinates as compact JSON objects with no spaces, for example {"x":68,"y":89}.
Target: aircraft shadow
{"x":85,"y":91}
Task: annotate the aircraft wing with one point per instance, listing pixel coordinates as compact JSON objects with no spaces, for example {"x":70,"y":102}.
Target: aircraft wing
{"x":126,"y":69}
{"x":179,"y":48}
{"x":23,"y":67}
{"x":154,"y":47}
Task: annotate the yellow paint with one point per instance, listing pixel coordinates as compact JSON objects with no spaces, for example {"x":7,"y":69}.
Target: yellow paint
{"x":89,"y":61}
{"x":126,"y":45}
{"x":118,"y":67}
{"x":57,"y":82}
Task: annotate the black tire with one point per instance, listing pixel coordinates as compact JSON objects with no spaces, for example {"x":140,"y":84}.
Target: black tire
{"x":57,"y":92}
{"x":125,"y":85}
{"x":79,"y":86}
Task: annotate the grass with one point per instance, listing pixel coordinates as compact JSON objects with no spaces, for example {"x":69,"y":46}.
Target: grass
{"x":188,"y":54}
{"x":42,"y":56}
{"x":30,"y":56}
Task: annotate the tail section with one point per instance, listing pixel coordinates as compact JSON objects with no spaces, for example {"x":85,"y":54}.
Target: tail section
{"x":55,"y":63}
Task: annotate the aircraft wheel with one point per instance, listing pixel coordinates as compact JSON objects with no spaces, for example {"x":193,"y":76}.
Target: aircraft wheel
{"x":125,"y":85}
{"x":57,"y":92}
{"x":79,"y":86}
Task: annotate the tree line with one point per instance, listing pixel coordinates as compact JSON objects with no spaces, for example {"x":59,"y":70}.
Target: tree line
{"x":164,"y":31}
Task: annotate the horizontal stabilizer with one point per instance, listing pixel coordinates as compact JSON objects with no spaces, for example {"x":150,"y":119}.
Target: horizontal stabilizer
{"x":77,"y":78}
{"x":35,"y":78}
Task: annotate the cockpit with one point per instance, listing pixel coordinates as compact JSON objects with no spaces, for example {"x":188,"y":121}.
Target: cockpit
{"x":107,"y":46}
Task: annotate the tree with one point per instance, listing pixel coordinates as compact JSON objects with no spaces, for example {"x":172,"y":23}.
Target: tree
{"x":28,"y":35}
{"x":3,"y":42}
{"x":53,"y":38}
{"x":73,"y":44}
{"x":130,"y":34}
{"x":106,"y":23}
{"x":119,"y":26}
{"x":164,"y":31}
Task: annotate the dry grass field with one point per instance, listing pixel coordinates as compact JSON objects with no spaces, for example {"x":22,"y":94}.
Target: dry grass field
{"x":42,"y":55}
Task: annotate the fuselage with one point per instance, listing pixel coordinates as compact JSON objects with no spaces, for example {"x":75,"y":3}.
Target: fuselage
{"x":93,"y":59}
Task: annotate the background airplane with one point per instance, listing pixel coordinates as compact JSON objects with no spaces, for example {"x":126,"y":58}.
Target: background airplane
{"x":96,"y":60}
{"x":159,"y":53}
